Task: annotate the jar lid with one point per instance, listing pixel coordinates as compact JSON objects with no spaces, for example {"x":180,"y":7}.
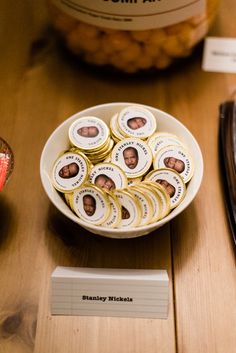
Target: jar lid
{"x":133,"y":155}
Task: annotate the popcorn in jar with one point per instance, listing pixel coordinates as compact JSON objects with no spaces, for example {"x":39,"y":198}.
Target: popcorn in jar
{"x":132,"y":35}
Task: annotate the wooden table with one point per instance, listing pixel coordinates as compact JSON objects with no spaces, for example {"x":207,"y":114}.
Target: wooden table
{"x":39,"y":88}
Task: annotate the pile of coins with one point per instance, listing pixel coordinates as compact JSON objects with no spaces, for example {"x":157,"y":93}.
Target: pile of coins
{"x":127,"y":176}
{"x":132,"y":50}
{"x":91,"y":136}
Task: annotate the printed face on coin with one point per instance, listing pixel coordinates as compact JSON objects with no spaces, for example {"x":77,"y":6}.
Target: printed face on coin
{"x":125,"y":213}
{"x":88,"y":131}
{"x":136,"y":123}
{"x":174,"y":163}
{"x":69,"y":171}
{"x":131,"y":158}
{"x":103,"y":181}
{"x":89,"y":204}
{"x":169,"y":187}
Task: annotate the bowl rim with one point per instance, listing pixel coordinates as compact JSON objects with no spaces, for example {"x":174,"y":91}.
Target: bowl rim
{"x":98,"y":229}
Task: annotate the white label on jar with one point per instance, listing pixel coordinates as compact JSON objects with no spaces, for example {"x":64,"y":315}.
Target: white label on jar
{"x":132,"y":14}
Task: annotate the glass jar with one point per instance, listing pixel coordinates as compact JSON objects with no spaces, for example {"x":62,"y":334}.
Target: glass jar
{"x":132,"y":35}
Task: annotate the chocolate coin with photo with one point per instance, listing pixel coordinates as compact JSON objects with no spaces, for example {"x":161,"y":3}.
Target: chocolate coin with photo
{"x":70,"y":171}
{"x":91,"y":204}
{"x":133,"y":156}
{"x":136,"y":121}
{"x":88,"y":133}
{"x":108,"y":176}
{"x":176,"y":158}
{"x":131,"y":213}
{"x":172,"y":182}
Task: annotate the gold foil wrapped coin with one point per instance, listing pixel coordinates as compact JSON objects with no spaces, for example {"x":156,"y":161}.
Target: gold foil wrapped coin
{"x":69,"y":198}
{"x":88,"y":133}
{"x":145,"y":205}
{"x":164,"y":197}
{"x":155,"y":200}
{"x":130,"y":211}
{"x":114,"y":218}
{"x":108,"y":176}
{"x":176,"y":158}
{"x":136,"y":121}
{"x":91,"y":204}
{"x":102,"y":150}
{"x":133,"y":155}
{"x":172,"y":182}
{"x":98,"y":157}
{"x":70,"y":171}
{"x":114,"y":128}
{"x":134,"y":181}
{"x":162,"y":139}
{"x":78,"y":151}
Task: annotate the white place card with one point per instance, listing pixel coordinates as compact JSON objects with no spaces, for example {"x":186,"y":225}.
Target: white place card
{"x":110,"y":292}
{"x":219,"y":55}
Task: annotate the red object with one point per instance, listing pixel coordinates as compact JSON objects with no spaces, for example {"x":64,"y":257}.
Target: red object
{"x":4,"y":165}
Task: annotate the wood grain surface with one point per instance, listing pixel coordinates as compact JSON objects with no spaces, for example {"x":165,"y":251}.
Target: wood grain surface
{"x":40,"y":86}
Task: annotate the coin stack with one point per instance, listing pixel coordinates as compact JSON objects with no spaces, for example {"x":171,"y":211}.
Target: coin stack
{"x":127,"y":176}
{"x":92,"y":137}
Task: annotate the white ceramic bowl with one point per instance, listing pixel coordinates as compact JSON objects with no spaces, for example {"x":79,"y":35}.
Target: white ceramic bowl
{"x":58,"y":142}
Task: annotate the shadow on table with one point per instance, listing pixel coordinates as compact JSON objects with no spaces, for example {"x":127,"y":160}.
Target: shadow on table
{"x":184,"y":236}
{"x":82,"y":248}
{"x":7,"y":215}
{"x":98,"y":85}
{"x":72,"y":245}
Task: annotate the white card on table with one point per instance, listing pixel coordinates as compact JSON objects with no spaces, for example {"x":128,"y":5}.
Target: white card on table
{"x":110,"y":292}
{"x":219,"y":55}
